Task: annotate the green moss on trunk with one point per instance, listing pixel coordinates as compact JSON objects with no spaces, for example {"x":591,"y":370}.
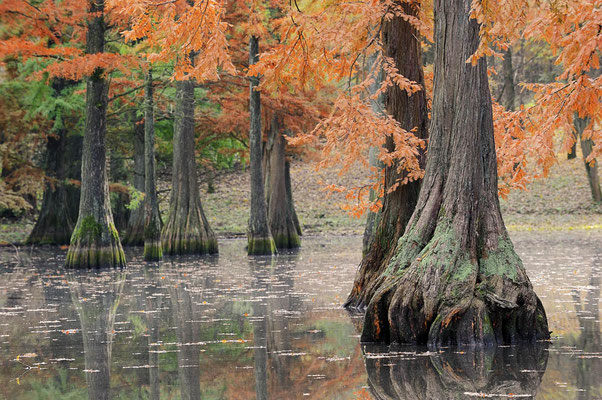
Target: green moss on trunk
{"x":261,"y":246}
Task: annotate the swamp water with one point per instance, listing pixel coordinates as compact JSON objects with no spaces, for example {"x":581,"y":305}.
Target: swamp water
{"x":232,"y":327}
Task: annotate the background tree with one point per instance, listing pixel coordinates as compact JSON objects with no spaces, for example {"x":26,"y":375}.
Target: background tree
{"x":259,"y":237}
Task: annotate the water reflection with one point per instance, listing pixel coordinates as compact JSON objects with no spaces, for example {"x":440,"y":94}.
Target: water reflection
{"x":96,"y":296}
{"x":589,"y":365}
{"x":490,"y":372}
{"x":271,"y":328}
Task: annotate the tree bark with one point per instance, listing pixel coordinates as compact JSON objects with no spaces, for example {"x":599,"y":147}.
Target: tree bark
{"x":119,"y":199}
{"x":454,"y":278}
{"x":259,"y":238}
{"x":187,"y":230}
{"x":281,"y":212}
{"x":289,"y":197}
{"x":378,"y":106}
{"x":134,"y":235}
{"x":95,"y":241}
{"x":55,"y":222}
{"x":400,"y":44}
{"x":591,"y":169}
{"x":152,"y":217}
{"x":509,"y":90}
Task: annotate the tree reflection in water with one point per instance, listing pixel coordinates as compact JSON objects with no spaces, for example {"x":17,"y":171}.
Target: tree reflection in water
{"x":483,"y":372}
{"x":187,"y":293}
{"x":589,"y":363}
{"x":95,"y":296}
{"x":273,"y":307}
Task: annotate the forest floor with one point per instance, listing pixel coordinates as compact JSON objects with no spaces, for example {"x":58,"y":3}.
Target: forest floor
{"x":561,"y":201}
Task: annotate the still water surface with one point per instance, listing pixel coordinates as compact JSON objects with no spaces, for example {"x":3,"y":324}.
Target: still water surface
{"x":232,"y":327}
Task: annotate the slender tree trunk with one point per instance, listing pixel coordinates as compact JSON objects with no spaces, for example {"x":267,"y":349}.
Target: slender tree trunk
{"x":187,"y":230}
{"x":509,"y":90}
{"x":289,"y":197}
{"x":281,"y":219}
{"x":134,"y":235}
{"x":454,"y":278}
{"x":152,"y":218}
{"x":120,"y":199}
{"x":259,"y":238}
{"x":377,"y":105}
{"x":95,"y":241}
{"x":590,"y":168}
{"x":402,"y":45}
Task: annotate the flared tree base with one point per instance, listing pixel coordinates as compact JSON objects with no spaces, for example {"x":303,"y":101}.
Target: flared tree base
{"x":153,"y":251}
{"x":287,"y":241}
{"x":439,"y":295}
{"x":95,"y":245}
{"x":189,"y":245}
{"x":258,"y":246}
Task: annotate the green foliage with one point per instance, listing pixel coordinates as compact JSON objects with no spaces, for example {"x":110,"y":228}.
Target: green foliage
{"x":136,"y":198}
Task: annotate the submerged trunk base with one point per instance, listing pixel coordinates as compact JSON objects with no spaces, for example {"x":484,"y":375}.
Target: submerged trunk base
{"x":189,"y":245}
{"x":153,"y":251}
{"x":287,"y":240}
{"x":443,"y":297}
{"x":95,"y":245}
{"x":258,"y":246}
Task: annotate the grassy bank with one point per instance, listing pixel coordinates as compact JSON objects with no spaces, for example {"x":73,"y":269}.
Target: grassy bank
{"x":560,"y":202}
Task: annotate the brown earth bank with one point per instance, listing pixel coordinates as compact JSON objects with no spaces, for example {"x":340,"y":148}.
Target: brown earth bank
{"x":562,"y":201}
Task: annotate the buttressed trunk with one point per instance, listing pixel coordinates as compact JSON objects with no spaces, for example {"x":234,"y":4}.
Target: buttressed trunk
{"x":152,"y":218}
{"x":134,"y":235}
{"x":259,"y":238}
{"x":401,"y":44}
{"x":95,"y":241}
{"x":55,"y":222}
{"x":281,"y":215}
{"x":455,"y":278}
{"x":187,"y":230}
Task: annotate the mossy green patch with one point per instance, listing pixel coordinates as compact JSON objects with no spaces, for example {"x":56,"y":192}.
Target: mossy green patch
{"x":261,"y":246}
{"x":503,"y":261}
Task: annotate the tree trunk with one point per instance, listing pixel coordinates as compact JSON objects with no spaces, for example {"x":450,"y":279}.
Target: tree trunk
{"x":454,"y":278}
{"x":289,"y":197}
{"x":259,"y":238}
{"x":134,"y":235}
{"x":590,"y":168}
{"x":95,"y":241}
{"x":281,"y":216}
{"x":401,"y":44}
{"x":187,"y":230}
{"x":152,"y":217}
{"x":55,"y":222}
{"x":119,"y":199}
{"x":509,"y":91}
{"x":377,"y":105}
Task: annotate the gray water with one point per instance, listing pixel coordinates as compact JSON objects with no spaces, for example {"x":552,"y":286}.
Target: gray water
{"x":233,"y":327}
